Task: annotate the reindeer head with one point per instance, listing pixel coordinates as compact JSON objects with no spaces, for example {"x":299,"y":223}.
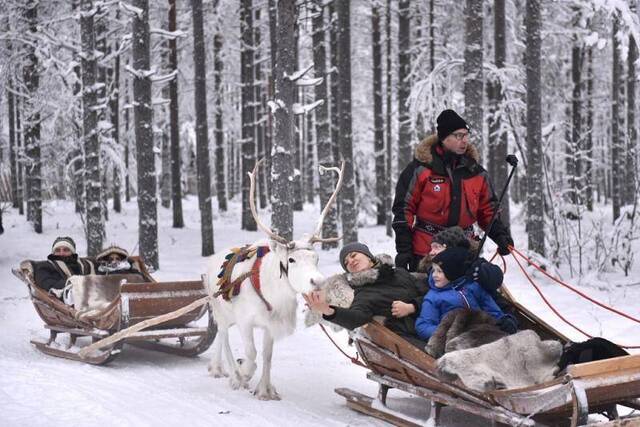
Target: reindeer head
{"x":298,"y":258}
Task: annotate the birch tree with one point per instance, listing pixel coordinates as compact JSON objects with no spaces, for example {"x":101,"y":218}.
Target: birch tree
{"x":202,"y":134}
{"x":143,"y":122}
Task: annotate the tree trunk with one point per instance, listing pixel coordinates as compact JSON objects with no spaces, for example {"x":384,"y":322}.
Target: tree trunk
{"x":632,"y":133}
{"x":143,"y":118}
{"x":127,"y":138}
{"x":497,"y":136}
{"x":221,"y":177}
{"x":404,"y":84}
{"x":574,"y":153}
{"x":616,"y":119}
{"x":100,"y":30}
{"x":298,"y":199}
{"x":260,"y":108}
{"x":348,"y":210}
{"x":333,"y":83}
{"x":20,"y":149}
{"x":588,"y":149}
{"x":323,"y":138}
{"x":165,"y":174}
{"x":378,"y":119}
{"x":472,"y":69}
{"x":202,"y":134}
{"x":248,"y":108}
{"x":389,"y":142}
{"x":535,"y":207}
{"x":432,"y":37}
{"x":282,"y":166}
{"x":174,"y":124}
{"x":13,"y":146}
{"x":31,"y":79}
{"x":115,"y":121}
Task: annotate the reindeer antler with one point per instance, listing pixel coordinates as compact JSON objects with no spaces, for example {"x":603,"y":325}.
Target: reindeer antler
{"x":315,"y":237}
{"x":252,"y":204}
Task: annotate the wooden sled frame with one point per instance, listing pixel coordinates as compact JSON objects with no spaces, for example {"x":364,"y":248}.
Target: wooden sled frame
{"x":593,"y":387}
{"x":136,"y":302}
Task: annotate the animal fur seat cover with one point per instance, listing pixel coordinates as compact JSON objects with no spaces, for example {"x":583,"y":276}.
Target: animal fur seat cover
{"x":517,"y":360}
{"x":463,"y":328}
{"x":339,"y":290}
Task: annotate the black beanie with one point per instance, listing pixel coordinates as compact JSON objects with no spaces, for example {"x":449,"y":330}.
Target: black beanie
{"x":452,"y":237}
{"x":448,"y":122}
{"x":452,"y":261}
{"x":354,"y":247}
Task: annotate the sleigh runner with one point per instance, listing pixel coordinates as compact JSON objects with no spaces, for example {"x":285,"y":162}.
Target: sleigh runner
{"x":585,"y":388}
{"x":138,"y":299}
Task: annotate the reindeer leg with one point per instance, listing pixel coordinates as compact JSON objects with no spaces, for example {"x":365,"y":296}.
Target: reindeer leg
{"x":234,"y":375}
{"x":248,"y":364}
{"x":216,"y":367}
{"x":265,"y":390}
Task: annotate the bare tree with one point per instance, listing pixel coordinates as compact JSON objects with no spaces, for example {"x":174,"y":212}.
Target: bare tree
{"x":404,"y":83}
{"x":202,"y":141}
{"x":473,"y":67}
{"x":31,"y":132}
{"x":13,"y":143}
{"x":221,"y":178}
{"x":378,"y":118}
{"x":588,"y":148}
{"x":616,"y":120}
{"x":497,"y":135}
{"x":348,"y":211}
{"x":114,"y":103}
{"x":632,"y":133}
{"x":248,"y":109}
{"x":281,"y":164}
{"x":143,"y":117}
{"x":174,"y":120}
{"x":325,"y":154}
{"x":389,"y":96}
{"x":535,"y":208}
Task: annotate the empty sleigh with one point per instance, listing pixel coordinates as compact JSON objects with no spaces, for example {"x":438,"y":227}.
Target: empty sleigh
{"x":585,"y":388}
{"x":137,"y":299}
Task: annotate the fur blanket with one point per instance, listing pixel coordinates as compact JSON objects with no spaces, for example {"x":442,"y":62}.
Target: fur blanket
{"x":92,"y":294}
{"x":339,"y":290}
{"x":461,"y":329}
{"x":518,"y":360}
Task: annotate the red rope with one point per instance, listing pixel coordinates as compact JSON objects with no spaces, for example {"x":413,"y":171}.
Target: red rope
{"x":569,"y":287}
{"x":354,"y":360}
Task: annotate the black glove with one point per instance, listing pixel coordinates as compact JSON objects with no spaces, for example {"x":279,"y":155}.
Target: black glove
{"x":504,"y":241}
{"x":508,"y":324}
{"x":405,"y":260}
{"x":488,"y":275}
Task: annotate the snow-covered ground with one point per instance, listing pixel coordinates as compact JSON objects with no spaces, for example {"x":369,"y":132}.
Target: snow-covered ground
{"x":142,"y":388}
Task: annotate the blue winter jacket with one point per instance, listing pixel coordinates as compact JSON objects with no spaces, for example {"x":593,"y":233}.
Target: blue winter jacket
{"x":461,"y":293}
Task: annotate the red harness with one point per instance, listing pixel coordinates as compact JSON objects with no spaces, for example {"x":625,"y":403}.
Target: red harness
{"x":228,"y":288}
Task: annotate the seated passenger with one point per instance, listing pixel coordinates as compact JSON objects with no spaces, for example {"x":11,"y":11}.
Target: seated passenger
{"x":451,"y":289}
{"x":115,"y":260}
{"x":62,"y":263}
{"x":376,"y":286}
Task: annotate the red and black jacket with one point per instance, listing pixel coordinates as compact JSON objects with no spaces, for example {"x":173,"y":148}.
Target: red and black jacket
{"x":438,"y":190}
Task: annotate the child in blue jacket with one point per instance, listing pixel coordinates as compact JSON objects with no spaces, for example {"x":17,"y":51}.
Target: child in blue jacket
{"x":451,"y":289}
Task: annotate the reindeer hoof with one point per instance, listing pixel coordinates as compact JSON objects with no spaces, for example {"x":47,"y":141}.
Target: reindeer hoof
{"x":266,"y":393}
{"x":217,"y":371}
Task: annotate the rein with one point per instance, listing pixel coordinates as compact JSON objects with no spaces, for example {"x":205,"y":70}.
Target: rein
{"x":355,"y":360}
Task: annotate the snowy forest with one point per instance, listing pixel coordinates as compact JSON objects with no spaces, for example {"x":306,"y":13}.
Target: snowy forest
{"x":104,"y":102}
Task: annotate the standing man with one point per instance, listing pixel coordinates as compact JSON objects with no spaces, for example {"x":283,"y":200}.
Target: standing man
{"x":443,"y":186}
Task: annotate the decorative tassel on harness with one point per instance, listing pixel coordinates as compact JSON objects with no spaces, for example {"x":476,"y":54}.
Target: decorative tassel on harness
{"x":229,"y":288}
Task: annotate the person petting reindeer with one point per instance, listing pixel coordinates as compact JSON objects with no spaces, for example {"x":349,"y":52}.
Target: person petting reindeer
{"x":255,"y":287}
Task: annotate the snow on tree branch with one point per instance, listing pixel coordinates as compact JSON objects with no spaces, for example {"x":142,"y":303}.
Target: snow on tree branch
{"x":165,"y":78}
{"x":304,"y":109}
{"x":140,"y":74}
{"x":298,"y":74}
{"x":171,"y":35}
{"x":309,"y":82}
{"x":131,"y":10}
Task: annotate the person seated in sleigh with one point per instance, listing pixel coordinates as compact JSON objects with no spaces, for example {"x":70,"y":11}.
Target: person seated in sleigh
{"x":116,"y":260}
{"x":375,"y":284}
{"x":62,"y":263}
{"x":450,"y":288}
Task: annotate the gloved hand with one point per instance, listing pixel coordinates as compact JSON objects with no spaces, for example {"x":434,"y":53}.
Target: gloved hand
{"x":508,"y":324}
{"x":405,"y":260}
{"x":503,"y":242}
{"x":488,"y":275}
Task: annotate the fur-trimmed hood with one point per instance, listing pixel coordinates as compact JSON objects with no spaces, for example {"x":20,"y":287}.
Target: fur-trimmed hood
{"x":424,"y":154}
{"x":384,"y":268}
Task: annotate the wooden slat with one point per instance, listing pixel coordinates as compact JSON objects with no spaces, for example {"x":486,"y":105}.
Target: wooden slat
{"x":190,"y":285}
{"x":167,"y":333}
{"x":606,"y":366}
{"x":364,"y":404}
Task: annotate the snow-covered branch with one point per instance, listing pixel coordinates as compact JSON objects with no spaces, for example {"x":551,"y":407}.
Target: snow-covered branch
{"x":304,"y":109}
{"x":131,"y":10}
{"x":297,"y":75}
{"x":171,"y":35}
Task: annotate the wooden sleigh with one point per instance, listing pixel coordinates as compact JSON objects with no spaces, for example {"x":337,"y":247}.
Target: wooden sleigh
{"x":135,"y":303}
{"x":593,"y":387}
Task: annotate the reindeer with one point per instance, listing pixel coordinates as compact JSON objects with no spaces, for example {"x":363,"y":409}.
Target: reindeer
{"x":288,"y":268}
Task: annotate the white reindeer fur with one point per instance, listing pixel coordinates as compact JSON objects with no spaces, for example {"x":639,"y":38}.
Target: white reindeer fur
{"x":248,"y":311}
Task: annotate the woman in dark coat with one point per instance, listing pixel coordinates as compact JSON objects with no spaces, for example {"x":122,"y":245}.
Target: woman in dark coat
{"x":62,"y":263}
{"x":376,"y":286}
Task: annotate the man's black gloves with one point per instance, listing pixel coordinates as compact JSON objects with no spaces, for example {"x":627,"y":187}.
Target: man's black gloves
{"x":405,"y":260}
{"x":508,"y":324}
{"x":488,"y":275}
{"x":504,"y":241}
